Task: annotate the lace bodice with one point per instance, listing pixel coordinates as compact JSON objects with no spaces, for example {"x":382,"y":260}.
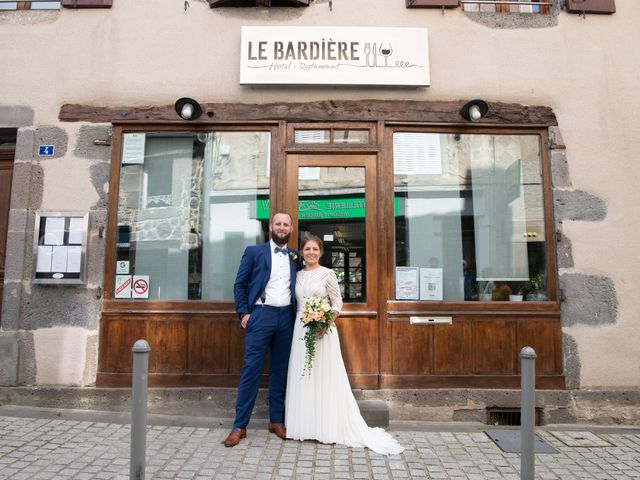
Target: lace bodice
{"x":319,"y":281}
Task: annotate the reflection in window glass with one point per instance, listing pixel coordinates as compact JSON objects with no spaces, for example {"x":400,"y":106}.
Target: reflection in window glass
{"x":351,"y":136}
{"x":331,"y":205}
{"x":469,"y":217}
{"x":30,"y":5}
{"x":312,"y":136}
{"x":189,"y":203}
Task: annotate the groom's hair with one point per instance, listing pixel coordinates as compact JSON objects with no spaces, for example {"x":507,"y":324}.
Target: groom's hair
{"x":312,"y":238}
{"x":281,"y":213}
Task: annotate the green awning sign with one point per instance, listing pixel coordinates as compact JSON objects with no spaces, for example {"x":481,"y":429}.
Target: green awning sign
{"x":325,"y":208}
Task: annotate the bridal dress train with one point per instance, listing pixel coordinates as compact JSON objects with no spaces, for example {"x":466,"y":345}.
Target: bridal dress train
{"x":320,"y":404}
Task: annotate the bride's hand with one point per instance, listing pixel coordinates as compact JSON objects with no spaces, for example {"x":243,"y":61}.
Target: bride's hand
{"x":319,"y":335}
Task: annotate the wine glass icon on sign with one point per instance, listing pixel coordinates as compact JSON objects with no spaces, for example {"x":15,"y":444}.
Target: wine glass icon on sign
{"x":386,"y":51}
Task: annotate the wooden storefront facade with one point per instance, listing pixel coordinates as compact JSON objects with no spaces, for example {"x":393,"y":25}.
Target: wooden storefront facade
{"x":199,"y":343}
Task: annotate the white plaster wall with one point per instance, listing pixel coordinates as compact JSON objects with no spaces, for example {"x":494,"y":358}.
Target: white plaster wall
{"x":62,"y":355}
{"x":144,"y":52}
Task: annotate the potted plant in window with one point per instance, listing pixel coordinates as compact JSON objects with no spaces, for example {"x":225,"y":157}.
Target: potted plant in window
{"x":535,"y":288}
{"x":518,"y":296}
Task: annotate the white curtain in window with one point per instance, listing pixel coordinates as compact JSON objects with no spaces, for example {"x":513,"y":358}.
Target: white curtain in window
{"x":498,"y":208}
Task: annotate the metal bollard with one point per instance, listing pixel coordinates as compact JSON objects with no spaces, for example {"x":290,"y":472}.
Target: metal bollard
{"x":139,"y":379}
{"x":527,"y":412}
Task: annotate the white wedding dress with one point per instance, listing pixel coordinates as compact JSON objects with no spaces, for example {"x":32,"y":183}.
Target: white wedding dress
{"x":320,"y":405}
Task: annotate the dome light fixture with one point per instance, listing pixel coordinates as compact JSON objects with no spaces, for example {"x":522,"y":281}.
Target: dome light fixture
{"x":474,"y":110}
{"x":188,"y":109}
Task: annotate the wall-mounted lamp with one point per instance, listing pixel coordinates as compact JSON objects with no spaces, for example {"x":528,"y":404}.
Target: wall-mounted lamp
{"x":474,"y":110}
{"x":188,"y":108}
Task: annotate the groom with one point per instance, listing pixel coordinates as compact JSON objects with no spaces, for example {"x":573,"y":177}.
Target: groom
{"x":265,"y":299}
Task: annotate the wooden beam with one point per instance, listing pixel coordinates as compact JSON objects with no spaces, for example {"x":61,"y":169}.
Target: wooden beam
{"x":348,"y":110}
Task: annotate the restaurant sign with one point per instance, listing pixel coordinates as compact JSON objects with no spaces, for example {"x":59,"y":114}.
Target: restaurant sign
{"x":334,"y":56}
{"x":325,"y":208}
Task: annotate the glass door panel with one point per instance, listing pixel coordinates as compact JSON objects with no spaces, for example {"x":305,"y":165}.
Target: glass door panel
{"x":332,"y":206}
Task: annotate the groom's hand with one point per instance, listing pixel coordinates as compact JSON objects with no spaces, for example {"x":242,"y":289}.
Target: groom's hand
{"x":244,"y":321}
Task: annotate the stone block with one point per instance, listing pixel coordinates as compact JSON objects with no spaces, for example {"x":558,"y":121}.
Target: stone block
{"x":15,"y":116}
{"x":50,"y":135}
{"x":99,"y":174}
{"x":14,"y":265}
{"x":560,"y":177}
{"x":8,"y":358}
{"x":565,"y":253}
{"x":589,"y":300}
{"x":572,"y":365}
{"x":49,"y":305}
{"x":85,"y":148}
{"x":513,"y":20}
{"x":555,"y":138}
{"x":578,"y":205}
{"x":60,"y":355}
{"x":375,"y":413}
{"x":24,"y":145}
{"x":27,"y":360}
{"x":12,"y":296}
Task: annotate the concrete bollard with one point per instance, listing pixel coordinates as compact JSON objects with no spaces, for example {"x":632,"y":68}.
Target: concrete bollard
{"x":527,"y":413}
{"x":139,"y":380}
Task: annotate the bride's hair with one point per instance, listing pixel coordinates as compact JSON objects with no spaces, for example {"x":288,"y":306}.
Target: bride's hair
{"x":312,"y":238}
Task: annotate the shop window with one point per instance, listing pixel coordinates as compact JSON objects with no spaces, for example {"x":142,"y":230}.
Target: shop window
{"x":188,"y":205}
{"x":38,"y":5}
{"x":517,"y":6}
{"x":46,"y":5}
{"x":432,"y":3}
{"x":469,"y":217}
{"x":258,"y":3}
{"x":330,"y":135}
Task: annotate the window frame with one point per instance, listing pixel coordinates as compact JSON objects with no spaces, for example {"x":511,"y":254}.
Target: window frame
{"x":257,"y":3}
{"x":111,"y":303}
{"x":405,"y":306}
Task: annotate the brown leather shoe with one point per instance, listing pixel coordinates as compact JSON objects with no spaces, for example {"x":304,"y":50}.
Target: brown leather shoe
{"x":235,"y":436}
{"x":278,"y":429}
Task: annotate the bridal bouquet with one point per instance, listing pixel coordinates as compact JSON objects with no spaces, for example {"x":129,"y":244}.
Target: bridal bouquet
{"x":317,"y":317}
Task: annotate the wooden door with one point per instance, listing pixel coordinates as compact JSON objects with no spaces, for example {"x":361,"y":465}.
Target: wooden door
{"x":6,"y":174}
{"x":334,"y":197}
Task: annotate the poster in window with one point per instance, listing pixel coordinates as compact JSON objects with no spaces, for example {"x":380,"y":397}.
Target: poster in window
{"x":431,"y":284}
{"x":133,"y":148}
{"x":406,"y":283}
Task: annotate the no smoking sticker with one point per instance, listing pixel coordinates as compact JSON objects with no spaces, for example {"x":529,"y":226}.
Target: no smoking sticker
{"x":140,"y":286}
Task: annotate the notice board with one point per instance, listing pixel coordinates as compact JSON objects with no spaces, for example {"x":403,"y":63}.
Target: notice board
{"x":60,"y":248}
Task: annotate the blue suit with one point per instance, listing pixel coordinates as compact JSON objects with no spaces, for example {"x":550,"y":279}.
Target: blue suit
{"x":270,"y":329}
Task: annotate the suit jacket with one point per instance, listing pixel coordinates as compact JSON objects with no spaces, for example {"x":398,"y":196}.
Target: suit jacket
{"x":253,"y":276}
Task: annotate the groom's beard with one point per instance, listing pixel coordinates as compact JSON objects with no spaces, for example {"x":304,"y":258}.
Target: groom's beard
{"x":280,"y":239}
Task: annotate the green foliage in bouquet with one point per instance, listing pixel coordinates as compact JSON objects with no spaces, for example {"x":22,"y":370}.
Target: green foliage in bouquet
{"x":317,"y":318}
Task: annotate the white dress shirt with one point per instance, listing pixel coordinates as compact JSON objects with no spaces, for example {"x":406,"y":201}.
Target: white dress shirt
{"x":278,"y":289}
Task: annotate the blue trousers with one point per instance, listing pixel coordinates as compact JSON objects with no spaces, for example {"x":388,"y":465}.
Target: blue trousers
{"x":270,"y":329}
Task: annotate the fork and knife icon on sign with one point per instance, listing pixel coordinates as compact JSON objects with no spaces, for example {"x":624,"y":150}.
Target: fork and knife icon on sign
{"x":371,"y":51}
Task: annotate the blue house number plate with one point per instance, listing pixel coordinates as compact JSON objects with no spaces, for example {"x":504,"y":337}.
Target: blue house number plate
{"x":46,"y":150}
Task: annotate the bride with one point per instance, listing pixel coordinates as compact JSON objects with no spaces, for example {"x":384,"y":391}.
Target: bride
{"x":319,"y":403}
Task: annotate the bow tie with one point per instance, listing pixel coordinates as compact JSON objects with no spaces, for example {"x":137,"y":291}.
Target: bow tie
{"x":282,"y":250}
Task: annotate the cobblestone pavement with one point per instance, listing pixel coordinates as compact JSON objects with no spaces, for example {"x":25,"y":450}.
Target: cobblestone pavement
{"x":46,"y":448}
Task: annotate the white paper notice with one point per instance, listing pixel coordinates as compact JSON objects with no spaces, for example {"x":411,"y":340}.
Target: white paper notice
{"x":76,"y":228}
{"x":59,"y":259}
{"x":133,"y":148}
{"x":122,"y":267}
{"x":44,"y":259}
{"x":406,"y":283}
{"x":54,"y":231}
{"x":430,"y":284}
{"x":74,"y":258}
